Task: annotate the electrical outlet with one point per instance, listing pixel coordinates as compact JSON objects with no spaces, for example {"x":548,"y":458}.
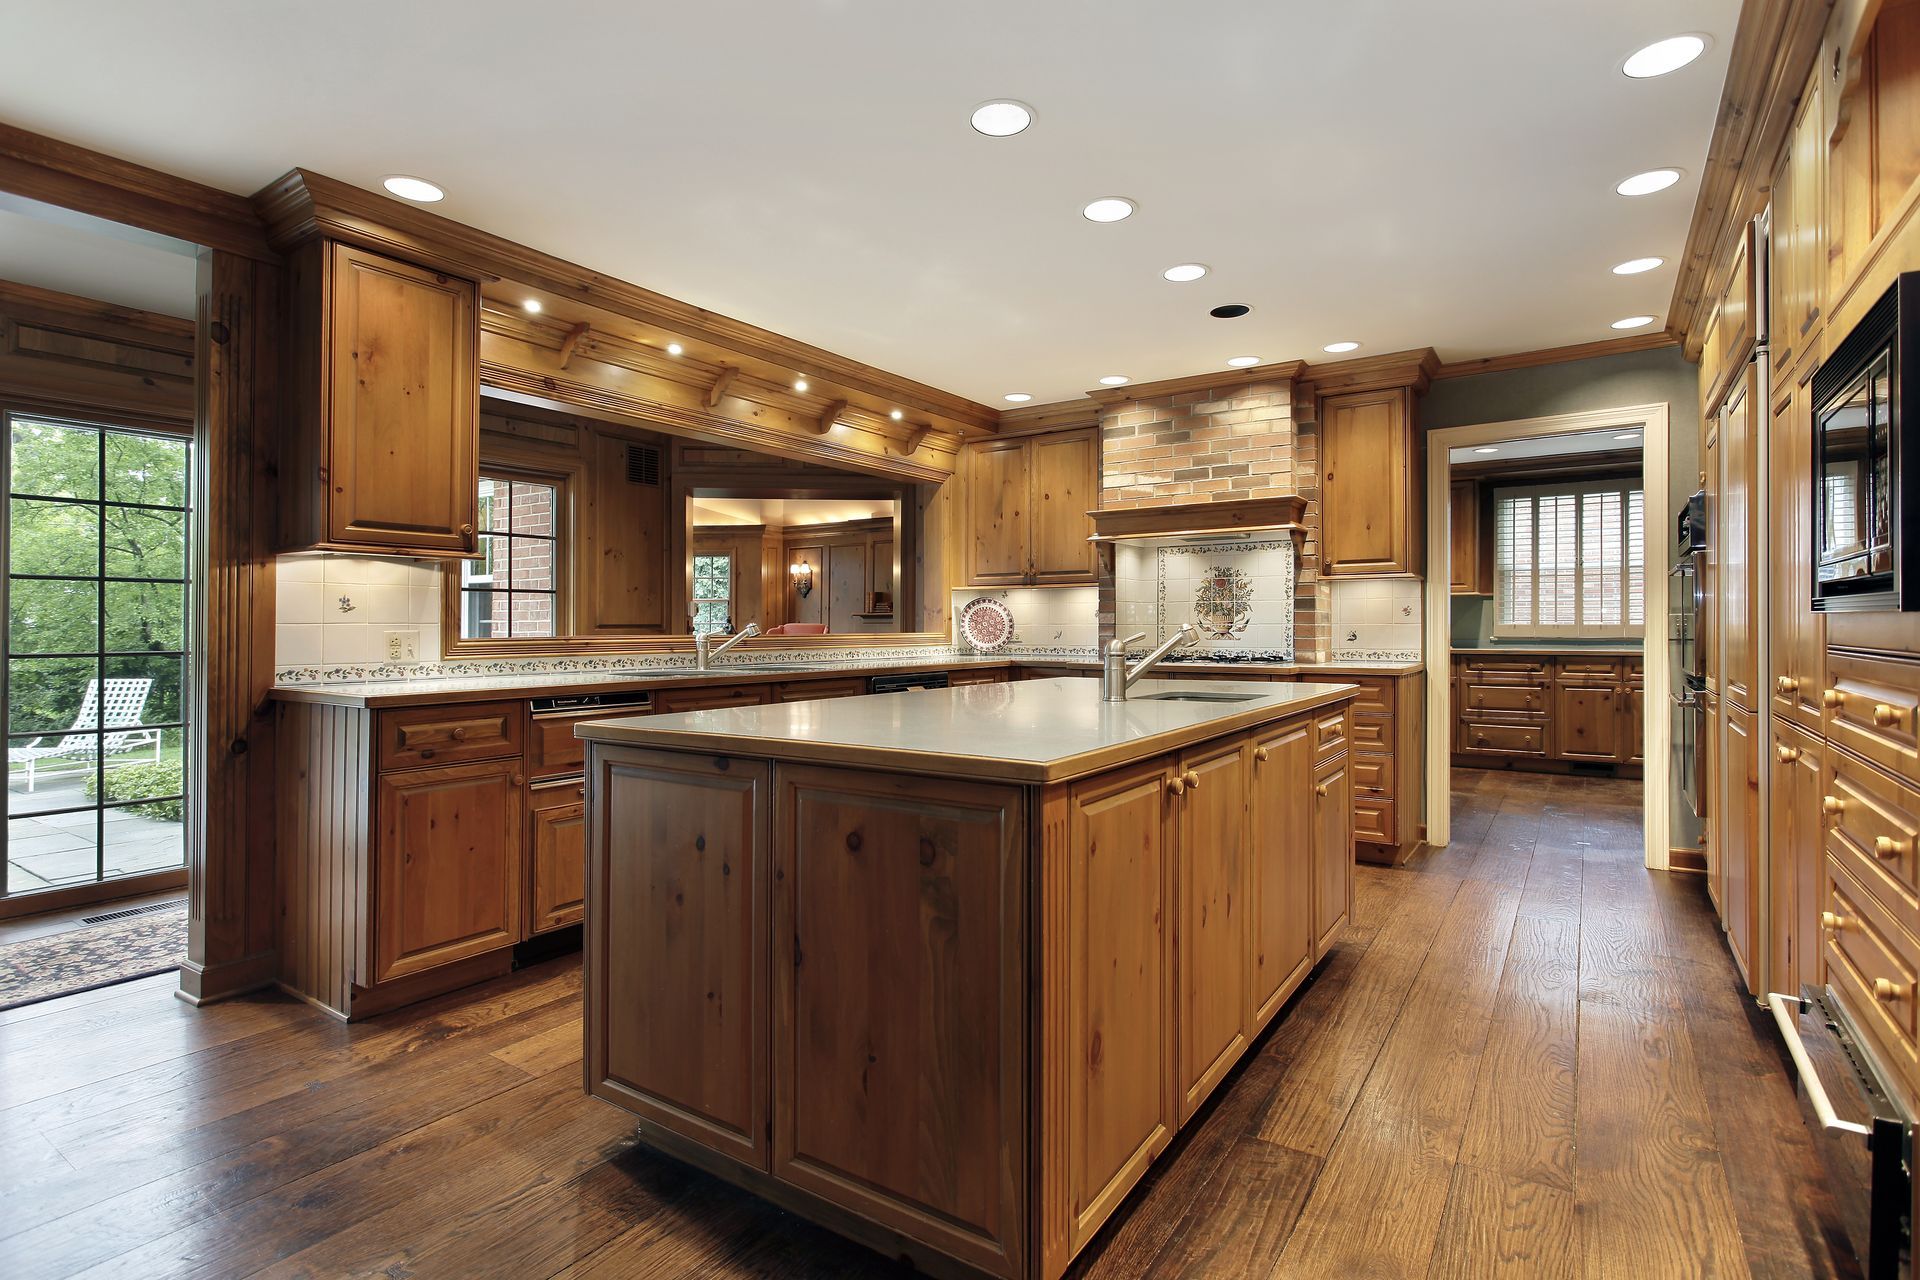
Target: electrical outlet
{"x":403,"y":646}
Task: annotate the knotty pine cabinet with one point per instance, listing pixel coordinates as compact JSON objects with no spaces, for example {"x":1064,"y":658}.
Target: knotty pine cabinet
{"x":1027,"y":500}
{"x":1470,"y":547}
{"x":1210,"y":934}
{"x":1371,"y":480}
{"x":1284,"y":832}
{"x":383,"y":453}
{"x":556,"y":850}
{"x":1738,"y":802}
{"x":1797,"y":654}
{"x":1548,"y":709}
{"x":1797,"y":844}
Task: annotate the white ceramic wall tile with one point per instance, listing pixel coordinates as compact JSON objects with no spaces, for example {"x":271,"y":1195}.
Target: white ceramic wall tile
{"x":296,"y":645}
{"x":335,"y":610}
{"x":298,"y":602}
{"x":1376,"y":617}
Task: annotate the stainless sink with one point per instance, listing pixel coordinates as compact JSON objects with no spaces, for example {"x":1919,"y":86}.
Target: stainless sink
{"x":1195,"y":695}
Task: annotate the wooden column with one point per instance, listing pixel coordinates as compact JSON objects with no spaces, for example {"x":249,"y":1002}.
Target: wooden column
{"x":230,"y":843}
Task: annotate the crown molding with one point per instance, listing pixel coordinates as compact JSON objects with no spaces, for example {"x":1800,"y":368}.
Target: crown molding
{"x":1412,"y":369}
{"x":1558,"y":355}
{"x":1285,"y":371}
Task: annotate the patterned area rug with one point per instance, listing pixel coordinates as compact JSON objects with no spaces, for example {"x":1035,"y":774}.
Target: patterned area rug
{"x":82,"y":959}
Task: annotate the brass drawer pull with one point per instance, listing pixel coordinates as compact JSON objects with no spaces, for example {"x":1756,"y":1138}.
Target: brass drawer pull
{"x":1832,"y":806}
{"x":1320,"y":788}
{"x":1888,"y":847}
{"x":1192,"y":780}
{"x":1887,"y":992}
{"x":1832,"y":699}
{"x":1787,"y":684}
{"x":1787,"y":755}
{"x":1260,"y":754}
{"x":1886,"y":716}
{"x":1176,"y":786}
{"x":1831,"y":922}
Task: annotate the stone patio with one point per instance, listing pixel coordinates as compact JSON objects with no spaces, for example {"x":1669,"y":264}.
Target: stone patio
{"x":50,"y":850}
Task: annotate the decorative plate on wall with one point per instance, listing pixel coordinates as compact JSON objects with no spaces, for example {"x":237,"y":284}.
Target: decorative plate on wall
{"x":986,"y":623}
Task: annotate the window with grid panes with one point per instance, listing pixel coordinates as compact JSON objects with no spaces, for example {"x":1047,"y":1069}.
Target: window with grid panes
{"x":513,"y":589}
{"x":1569,"y":560}
{"x":712,"y":592}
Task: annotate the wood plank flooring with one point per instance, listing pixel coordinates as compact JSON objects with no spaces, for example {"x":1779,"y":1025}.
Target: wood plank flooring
{"x":1527,"y":1058}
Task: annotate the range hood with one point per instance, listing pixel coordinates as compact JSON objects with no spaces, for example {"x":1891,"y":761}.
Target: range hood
{"x":1180,"y":521}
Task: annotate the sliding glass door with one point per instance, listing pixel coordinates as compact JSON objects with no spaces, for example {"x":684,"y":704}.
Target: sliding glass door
{"x":95,"y":680}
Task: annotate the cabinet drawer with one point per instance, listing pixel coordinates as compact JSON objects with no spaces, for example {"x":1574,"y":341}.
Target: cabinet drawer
{"x":1372,"y":731}
{"x":1373,"y":774}
{"x":1329,"y":734}
{"x":1587,"y":670}
{"x":1373,"y":821}
{"x":552,"y":750}
{"x":448,"y":735}
{"x":1871,"y":961}
{"x":1375,"y":697}
{"x":1506,"y":697}
{"x":810,"y":690}
{"x":727,"y":695}
{"x":1505,"y":670}
{"x":1870,"y":706}
{"x":996,"y":675}
{"x":1490,"y":738}
{"x":1873,"y":824}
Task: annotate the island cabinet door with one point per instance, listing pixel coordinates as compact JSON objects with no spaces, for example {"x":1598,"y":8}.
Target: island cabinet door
{"x":1332,"y":852}
{"x":1109,"y":1102}
{"x":1280,"y":841}
{"x":448,"y":865}
{"x":900,"y":1009}
{"x":1210,"y":918}
{"x":676,"y":943}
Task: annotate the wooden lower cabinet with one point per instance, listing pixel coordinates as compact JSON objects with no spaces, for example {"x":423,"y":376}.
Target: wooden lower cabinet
{"x":1586,"y":722}
{"x":1548,"y":711}
{"x":1332,"y":852}
{"x":1281,"y":841}
{"x":556,"y":855}
{"x":1210,"y":917}
{"x":1739,"y":805}
{"x":1797,"y":845}
{"x":448,"y":865}
{"x":677,"y":875}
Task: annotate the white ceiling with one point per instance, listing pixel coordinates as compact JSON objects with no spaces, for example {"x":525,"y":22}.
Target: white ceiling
{"x":1398,"y":174}
{"x":1565,"y":446}
{"x":58,"y":249}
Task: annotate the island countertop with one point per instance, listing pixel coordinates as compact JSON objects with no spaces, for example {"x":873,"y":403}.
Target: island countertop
{"x":1032,"y":731}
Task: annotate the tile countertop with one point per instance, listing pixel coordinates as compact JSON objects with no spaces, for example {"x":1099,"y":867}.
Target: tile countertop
{"x":1026,"y":731}
{"x":408,"y":693}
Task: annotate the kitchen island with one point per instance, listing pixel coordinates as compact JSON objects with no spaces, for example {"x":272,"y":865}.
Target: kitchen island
{"x":946,"y":970}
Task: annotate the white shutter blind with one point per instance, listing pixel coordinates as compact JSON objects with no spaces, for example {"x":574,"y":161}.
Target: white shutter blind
{"x":1569,"y":560}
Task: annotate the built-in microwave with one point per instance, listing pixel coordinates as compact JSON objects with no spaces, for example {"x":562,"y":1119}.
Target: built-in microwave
{"x":1866,"y":508}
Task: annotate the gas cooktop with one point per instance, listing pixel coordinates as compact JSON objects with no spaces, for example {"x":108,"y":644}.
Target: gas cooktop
{"x":1230,"y":655}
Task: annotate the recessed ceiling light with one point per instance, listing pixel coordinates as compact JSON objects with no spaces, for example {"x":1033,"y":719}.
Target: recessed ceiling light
{"x":1109,"y":209}
{"x":1231,"y":311}
{"x":1633,"y":322}
{"x":1002,"y":118}
{"x":1244,"y":362}
{"x":1487,"y":448}
{"x":1628,"y":435}
{"x":1337,"y":347}
{"x":1115,"y":380}
{"x":1185,"y":271}
{"x":1018,"y":397}
{"x":532,"y":306}
{"x":1634,"y":266}
{"x":1663,"y":56}
{"x":1645,"y":184}
{"x":799,"y":384}
{"x":418,"y":189}
{"x":674,"y":348}
{"x":896,"y":415}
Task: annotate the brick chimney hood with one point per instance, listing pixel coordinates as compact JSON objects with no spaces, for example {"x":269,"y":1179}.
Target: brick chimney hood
{"x":1191,"y":519}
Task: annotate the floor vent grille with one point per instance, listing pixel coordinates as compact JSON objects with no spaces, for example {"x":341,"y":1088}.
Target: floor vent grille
{"x":149,"y":909}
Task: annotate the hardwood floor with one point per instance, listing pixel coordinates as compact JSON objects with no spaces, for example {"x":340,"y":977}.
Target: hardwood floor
{"x":1527,"y":1058}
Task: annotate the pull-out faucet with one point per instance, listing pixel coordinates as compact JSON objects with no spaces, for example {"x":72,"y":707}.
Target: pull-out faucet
{"x":705,"y":651}
{"x":1116,"y":677}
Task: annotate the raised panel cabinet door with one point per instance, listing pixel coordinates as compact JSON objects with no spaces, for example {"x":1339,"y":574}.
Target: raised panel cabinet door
{"x":1066,"y":485}
{"x":1366,"y":484}
{"x":1740,"y":837}
{"x":1463,"y":547}
{"x":1210,"y":922}
{"x":677,"y":943}
{"x":624,"y":570}
{"x":900,"y":1004}
{"x":448,"y":866}
{"x":557,"y":849}
{"x":1798,"y":844}
{"x":1633,"y":726}
{"x":402,"y":348}
{"x":1118,"y":1021}
{"x":1709,"y":638}
{"x":1281,"y":873}
{"x":999,"y":524}
{"x":1332,"y":852}
{"x":1586,"y":723}
{"x":1799,"y":649}
{"x":1739,"y":557}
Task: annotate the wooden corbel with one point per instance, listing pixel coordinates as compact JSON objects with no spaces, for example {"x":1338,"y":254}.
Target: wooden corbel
{"x":720,"y":384}
{"x":915,"y":438}
{"x":831,"y":416}
{"x":573,"y":339}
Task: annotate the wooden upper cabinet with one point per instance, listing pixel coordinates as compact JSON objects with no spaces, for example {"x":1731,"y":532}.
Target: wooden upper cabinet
{"x":1796,"y":259}
{"x":1369,"y":484}
{"x":1470,"y":549}
{"x":1027,"y":502}
{"x":448,"y":867}
{"x":387,"y":397}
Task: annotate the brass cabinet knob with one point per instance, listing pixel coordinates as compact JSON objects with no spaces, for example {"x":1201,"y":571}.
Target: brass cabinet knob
{"x":1887,"y":992}
{"x":459,"y":733}
{"x":581,"y":791}
{"x":1787,"y":684}
{"x":1787,"y":755}
{"x":1832,"y":806}
{"x":1260,"y":754}
{"x":1176,"y":786}
{"x":1320,"y":788}
{"x":1886,"y":716}
{"x":518,"y":779}
{"x":1888,"y":847}
{"x":1832,"y":699}
{"x":1831,"y":922}
{"x":1192,"y":780}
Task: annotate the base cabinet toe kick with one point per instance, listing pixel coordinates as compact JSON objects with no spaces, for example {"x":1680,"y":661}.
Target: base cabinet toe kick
{"x":954,"y":1018}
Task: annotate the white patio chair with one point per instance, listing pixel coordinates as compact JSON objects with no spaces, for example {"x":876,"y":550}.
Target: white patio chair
{"x":126,"y":703}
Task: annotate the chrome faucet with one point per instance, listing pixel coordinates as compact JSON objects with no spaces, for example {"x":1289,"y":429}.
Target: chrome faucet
{"x":1116,"y":677}
{"x":705,"y":651}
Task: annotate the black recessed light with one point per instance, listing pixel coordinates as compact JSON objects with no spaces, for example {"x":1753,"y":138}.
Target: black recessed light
{"x":1232,"y":311}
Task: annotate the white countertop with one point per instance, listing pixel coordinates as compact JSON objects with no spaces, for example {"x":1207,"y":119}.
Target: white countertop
{"x":1024,"y":731}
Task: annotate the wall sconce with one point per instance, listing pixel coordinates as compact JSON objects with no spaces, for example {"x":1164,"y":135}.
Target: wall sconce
{"x":802,"y":578}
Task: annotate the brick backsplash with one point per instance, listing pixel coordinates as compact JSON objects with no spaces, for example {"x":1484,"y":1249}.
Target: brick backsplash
{"x":1229,"y":442}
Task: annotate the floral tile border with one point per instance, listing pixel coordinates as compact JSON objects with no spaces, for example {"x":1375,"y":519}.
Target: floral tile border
{"x":359,"y":674}
{"x":1374,"y":655}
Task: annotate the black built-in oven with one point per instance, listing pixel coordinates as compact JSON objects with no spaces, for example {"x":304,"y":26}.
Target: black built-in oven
{"x":1866,"y":506}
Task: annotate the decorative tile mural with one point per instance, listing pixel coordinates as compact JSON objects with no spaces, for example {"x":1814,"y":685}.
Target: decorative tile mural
{"x":1222,"y":602}
{"x":1239,"y":595}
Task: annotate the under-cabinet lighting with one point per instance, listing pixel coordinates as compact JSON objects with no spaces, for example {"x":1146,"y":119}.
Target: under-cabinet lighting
{"x":674,"y":348}
{"x":532,"y":306}
{"x":896,"y":415}
{"x":799,"y":384}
